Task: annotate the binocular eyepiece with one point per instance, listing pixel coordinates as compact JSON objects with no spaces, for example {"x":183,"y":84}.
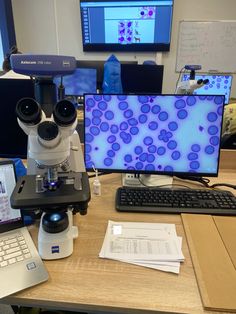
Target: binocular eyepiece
{"x":29,"y":112}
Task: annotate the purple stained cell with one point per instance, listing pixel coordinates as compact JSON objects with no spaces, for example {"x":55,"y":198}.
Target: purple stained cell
{"x":180,"y":103}
{"x":195,"y":148}
{"x":128,"y":113}
{"x":88,"y":148}
{"x":126,"y":137}
{"x":90,"y":102}
{"x":192,"y":156}
{"x":138,"y":150}
{"x":191,"y":100}
{"x":161,"y":150}
{"x":172,"y":126}
{"x":145,"y":108}
{"x":148,"y":140}
{"x":218,"y":100}
{"x":220,"y":110}
{"x":175,"y":155}
{"x":201,"y":128}
{"x":152,"y":149}
{"x":153,"y":125}
{"x":210,"y":97}
{"x":194,"y":165}
{"x":128,"y":158}
{"x":134,"y":130}
{"x":87,"y":122}
{"x":124,"y":126}
{"x":202,"y":97}
{"x":115,"y":146}
{"x":156,"y":109}
{"x":213,"y":129}
{"x":97,"y":113}
{"x":168,"y":169}
{"x":142,"y":118}
{"x":94,"y":130}
{"x":104,"y":127}
{"x":182,"y":114}
{"x":150,"y":167}
{"x":89,"y":138}
{"x":132,"y":122}
{"x":96,"y":121}
{"x":143,"y":99}
{"x":123,"y":105}
{"x":143,"y":157}
{"x":139,"y":165}
{"x":108,"y":162}
{"x":110,"y":153}
{"x":87,"y":157}
{"x":212,"y":117}
{"x":114,"y":129}
{"x":97,"y":97}
{"x":111,"y":139}
{"x":109,"y":115}
{"x":209,"y":149}
{"x":163,"y":116}
{"x":172,"y":145}
{"x":150,"y":158}
{"x":214,"y":140}
{"x":121,"y":97}
{"x":107,"y":97}
{"x":102,"y":105}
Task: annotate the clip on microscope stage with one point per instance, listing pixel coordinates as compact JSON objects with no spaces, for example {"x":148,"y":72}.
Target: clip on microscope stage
{"x":189,"y":86}
{"x":56,"y":180}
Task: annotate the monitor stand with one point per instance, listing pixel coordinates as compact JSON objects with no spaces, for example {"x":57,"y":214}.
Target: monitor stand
{"x":140,"y":180}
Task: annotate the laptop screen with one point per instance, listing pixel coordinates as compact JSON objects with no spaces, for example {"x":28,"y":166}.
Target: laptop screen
{"x":7,"y":184}
{"x":217,"y":85}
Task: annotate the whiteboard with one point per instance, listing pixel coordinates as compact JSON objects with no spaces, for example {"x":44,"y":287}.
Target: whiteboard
{"x":211,"y":44}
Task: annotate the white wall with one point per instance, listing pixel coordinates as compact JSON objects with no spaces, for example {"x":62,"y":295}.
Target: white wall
{"x":53,"y":26}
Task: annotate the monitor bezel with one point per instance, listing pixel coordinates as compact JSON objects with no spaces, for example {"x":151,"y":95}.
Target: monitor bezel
{"x":145,"y":47}
{"x":145,"y":172}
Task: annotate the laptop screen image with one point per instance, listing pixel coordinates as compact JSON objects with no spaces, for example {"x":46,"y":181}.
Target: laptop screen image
{"x":217,"y":85}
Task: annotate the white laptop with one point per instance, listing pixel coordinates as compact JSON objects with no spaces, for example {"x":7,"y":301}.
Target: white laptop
{"x":20,"y":264}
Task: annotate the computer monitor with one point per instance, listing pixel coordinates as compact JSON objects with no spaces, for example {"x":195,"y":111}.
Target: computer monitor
{"x":114,"y":25}
{"x":82,"y":81}
{"x":13,"y":140}
{"x":142,"y":78}
{"x":217,"y":85}
{"x":153,"y":134}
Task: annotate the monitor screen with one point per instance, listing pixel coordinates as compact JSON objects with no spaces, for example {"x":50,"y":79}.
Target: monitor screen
{"x":217,"y":85}
{"x":13,"y":140}
{"x":153,"y":134}
{"x":112,"y":25}
{"x":80,"y":82}
{"x":142,"y":78}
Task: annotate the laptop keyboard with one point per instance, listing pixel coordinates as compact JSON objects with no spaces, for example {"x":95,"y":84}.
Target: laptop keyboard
{"x":13,"y":249}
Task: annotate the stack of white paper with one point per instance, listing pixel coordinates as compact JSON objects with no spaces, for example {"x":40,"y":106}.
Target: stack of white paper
{"x":153,"y":245}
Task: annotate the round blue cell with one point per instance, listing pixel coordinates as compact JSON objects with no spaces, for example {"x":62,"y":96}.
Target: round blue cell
{"x":90,"y":102}
{"x":172,"y":126}
{"x":182,"y":114}
{"x":192,"y":156}
{"x":94,"y":130}
{"x":124,"y":126}
{"x":156,"y":109}
{"x":107,"y":97}
{"x":218,"y":100}
{"x":110,"y":153}
{"x":145,"y":108}
{"x":152,"y":149}
{"x":161,"y":150}
{"x":138,"y":150}
{"x":163,"y":116}
{"x":214,"y":140}
{"x":114,"y":129}
{"x":88,"y":148}
{"x":168,"y":169}
{"x":87,"y":122}
{"x":87,"y":157}
{"x":210,"y":97}
{"x":142,"y":118}
{"x":143,"y":157}
{"x":143,"y":99}
{"x":172,"y":144}
{"x":180,"y":103}
{"x":209,"y":149}
{"x":128,"y":113}
{"x":127,"y":138}
{"x":134,"y":130}
{"x":212,"y":116}
{"x":150,"y":167}
{"x":96,"y":121}
{"x":139,"y":165}
{"x":128,"y":158}
{"x":132,"y":121}
{"x":150,"y":158}
{"x":195,"y":148}
{"x":191,"y":100}
{"x":88,"y":138}
{"x":97,"y":113}
{"x":220,"y":110}
{"x":121,"y":97}
{"x":109,"y":115}
{"x":102,"y":105}
{"x":104,"y":126}
{"x":108,"y":162}
{"x":213,"y":129}
{"x":194,"y":164}
{"x":97,"y":97}
{"x":175,"y":155}
{"x":148,"y":140}
{"x":111,"y":139}
{"x":115,"y":146}
{"x":202,"y":97}
{"x":123,"y":105}
{"x":153,"y":125}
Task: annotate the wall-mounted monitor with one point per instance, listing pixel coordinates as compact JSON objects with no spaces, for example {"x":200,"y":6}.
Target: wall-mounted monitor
{"x":113,"y":25}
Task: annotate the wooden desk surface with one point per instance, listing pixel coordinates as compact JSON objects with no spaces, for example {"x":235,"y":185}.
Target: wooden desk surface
{"x":84,"y":282}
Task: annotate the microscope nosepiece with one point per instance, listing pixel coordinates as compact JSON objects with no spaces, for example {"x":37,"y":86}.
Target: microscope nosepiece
{"x":28,"y":111}
{"x":64,"y":113}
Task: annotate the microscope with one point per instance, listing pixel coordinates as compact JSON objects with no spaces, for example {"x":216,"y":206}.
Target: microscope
{"x":189,"y":86}
{"x":56,"y":182}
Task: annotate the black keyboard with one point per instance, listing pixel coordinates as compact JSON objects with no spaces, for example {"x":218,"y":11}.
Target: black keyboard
{"x":158,"y":200}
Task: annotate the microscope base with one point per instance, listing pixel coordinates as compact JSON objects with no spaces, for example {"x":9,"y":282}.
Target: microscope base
{"x":57,"y":245}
